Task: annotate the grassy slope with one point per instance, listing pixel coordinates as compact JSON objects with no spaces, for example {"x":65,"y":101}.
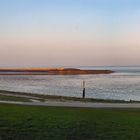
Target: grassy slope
{"x":50,"y":123}
{"x":13,"y":98}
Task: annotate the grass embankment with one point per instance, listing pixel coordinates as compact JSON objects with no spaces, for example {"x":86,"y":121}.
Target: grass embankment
{"x":13,"y":98}
{"x":53,"y":123}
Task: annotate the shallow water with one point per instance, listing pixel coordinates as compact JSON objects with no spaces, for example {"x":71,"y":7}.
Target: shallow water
{"x":124,"y":84}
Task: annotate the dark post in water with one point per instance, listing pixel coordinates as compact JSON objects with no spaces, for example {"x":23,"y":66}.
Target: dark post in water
{"x":83,"y":89}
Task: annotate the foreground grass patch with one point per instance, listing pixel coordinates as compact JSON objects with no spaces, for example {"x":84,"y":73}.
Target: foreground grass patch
{"x":52,"y":123}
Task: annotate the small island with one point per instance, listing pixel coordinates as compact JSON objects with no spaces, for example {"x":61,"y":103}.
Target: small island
{"x":51,"y":71}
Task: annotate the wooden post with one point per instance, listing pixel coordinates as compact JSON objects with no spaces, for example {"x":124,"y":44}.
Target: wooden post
{"x":83,"y":89}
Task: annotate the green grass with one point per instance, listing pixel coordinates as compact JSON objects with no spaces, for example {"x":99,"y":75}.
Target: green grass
{"x":13,"y":98}
{"x":55,"y":123}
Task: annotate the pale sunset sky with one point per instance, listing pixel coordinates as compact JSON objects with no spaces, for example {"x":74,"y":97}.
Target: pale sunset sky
{"x":46,"y":33}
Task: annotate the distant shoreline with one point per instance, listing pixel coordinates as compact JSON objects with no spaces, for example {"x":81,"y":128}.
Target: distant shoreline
{"x":52,"y":71}
{"x":43,"y":97}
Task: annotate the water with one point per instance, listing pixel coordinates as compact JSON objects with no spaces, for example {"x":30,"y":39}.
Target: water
{"x":124,"y":84}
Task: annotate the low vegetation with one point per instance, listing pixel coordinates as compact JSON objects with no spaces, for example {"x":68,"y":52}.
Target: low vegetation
{"x":55,"y":123}
{"x":13,"y":98}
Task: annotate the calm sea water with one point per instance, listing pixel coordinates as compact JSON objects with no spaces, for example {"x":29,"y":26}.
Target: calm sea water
{"x":124,"y":84}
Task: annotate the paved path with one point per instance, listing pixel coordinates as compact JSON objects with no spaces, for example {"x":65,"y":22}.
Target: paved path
{"x":77,"y":104}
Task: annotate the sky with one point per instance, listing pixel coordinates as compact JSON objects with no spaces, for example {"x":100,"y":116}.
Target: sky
{"x":56,"y":33}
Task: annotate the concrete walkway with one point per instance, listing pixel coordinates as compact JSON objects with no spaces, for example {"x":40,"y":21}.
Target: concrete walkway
{"x":76,"y":104}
